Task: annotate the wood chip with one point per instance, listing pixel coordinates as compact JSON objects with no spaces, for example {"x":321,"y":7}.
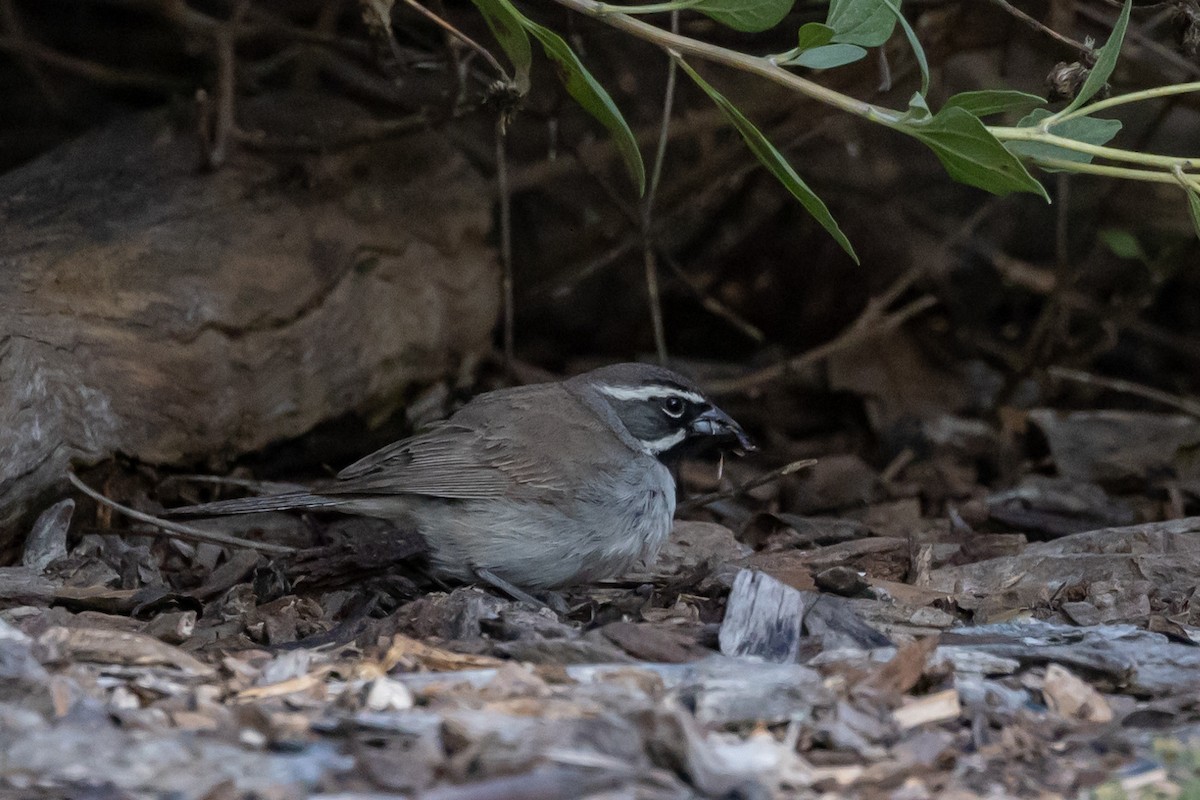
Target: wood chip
{"x":930,"y":708}
{"x":411,"y":654}
{"x":1070,"y":697}
{"x":125,"y":648}
{"x":763,"y":617}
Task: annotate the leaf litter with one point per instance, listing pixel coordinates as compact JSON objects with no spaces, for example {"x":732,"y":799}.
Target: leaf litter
{"x":906,"y":632}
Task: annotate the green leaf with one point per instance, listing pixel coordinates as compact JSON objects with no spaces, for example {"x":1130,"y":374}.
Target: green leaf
{"x":507,"y":25}
{"x":918,"y":109}
{"x":913,"y":42}
{"x":748,"y":16}
{"x":814,"y":34}
{"x":774,"y":161}
{"x":591,"y":95}
{"x":971,"y":154}
{"x":867,"y":23}
{"x":1123,"y":243}
{"x":827,"y":56}
{"x":1194,"y":206}
{"x":1088,"y":130}
{"x":994,"y":101}
{"x":1106,"y":60}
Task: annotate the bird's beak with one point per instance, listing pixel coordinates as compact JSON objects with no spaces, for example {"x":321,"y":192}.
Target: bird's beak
{"x":716,"y":423}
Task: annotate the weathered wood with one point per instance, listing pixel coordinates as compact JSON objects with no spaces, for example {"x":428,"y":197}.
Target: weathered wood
{"x":767,"y":618}
{"x":149,"y":308}
{"x":763,"y":617}
{"x":25,"y":586}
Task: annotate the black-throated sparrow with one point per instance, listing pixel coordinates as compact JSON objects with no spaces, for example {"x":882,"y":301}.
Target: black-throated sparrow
{"x":539,"y":486}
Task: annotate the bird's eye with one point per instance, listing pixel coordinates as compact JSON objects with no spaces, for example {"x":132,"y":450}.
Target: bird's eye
{"x":673,"y":406}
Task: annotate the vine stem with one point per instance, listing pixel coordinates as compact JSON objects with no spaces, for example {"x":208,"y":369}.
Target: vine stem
{"x":652,"y":8}
{"x":1037,"y":134}
{"x":1122,"y":99}
{"x":649,"y":259}
{"x":768,"y":68}
{"x":763,"y":67}
{"x":1127,"y":173}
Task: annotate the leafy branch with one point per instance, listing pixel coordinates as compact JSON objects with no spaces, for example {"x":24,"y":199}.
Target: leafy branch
{"x":990,"y":157}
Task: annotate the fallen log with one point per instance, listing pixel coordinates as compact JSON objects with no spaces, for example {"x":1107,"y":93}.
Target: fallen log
{"x":171,"y":314}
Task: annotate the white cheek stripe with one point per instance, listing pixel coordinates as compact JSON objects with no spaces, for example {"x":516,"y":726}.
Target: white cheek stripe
{"x":664,"y":444}
{"x":649,"y":392}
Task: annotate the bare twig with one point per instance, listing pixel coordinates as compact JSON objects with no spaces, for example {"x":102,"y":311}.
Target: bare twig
{"x":1041,"y":27}
{"x":650,"y":266}
{"x":775,"y":474}
{"x":1055,"y":313}
{"x":362,"y":133}
{"x":1137,"y":37}
{"x":873,"y":322}
{"x":305,"y":76}
{"x":175,"y":529}
{"x":506,"y":256}
{"x":89,"y":70}
{"x":217,"y":124}
{"x":462,"y":37}
{"x":622,"y":248}
{"x":1029,"y":277}
{"x":649,"y":259}
{"x":712,"y":305}
{"x":1184,"y":404}
{"x":11,"y":20}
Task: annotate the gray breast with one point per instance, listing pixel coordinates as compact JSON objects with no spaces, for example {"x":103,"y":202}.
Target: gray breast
{"x":613,"y":521}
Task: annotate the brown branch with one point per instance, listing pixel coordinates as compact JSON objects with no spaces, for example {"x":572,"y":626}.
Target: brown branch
{"x":761,"y":480}
{"x":462,"y":37}
{"x":1184,"y":404}
{"x":1136,"y":36}
{"x":871,"y":324}
{"x":506,"y":252}
{"x":360,"y":134}
{"x":175,"y":529}
{"x":16,"y":28}
{"x":1041,"y":27}
{"x":89,"y":70}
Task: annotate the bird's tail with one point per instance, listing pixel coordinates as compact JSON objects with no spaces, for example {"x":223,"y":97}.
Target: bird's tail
{"x":292,"y":501}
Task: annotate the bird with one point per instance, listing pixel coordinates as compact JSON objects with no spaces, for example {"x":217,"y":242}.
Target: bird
{"x":537,"y":487}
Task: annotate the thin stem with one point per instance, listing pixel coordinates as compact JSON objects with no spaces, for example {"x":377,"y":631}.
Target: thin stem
{"x":769,"y":68}
{"x":754,"y":65}
{"x":664,"y":130}
{"x":1189,"y":183}
{"x":1183,"y":404}
{"x":457,"y":34}
{"x":1040,"y":135}
{"x":176,"y":529}
{"x":650,"y":264}
{"x":650,"y":8}
{"x":649,"y":261}
{"x":1126,"y":173}
{"x":505,"y":243}
{"x":872,"y":324}
{"x":1041,"y":27}
{"x":754,"y":483}
{"x":1132,"y":97}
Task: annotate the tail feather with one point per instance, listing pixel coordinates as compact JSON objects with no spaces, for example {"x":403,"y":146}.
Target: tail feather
{"x":291,"y":501}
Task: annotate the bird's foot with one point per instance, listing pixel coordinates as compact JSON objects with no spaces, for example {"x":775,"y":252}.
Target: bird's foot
{"x":496,"y":582}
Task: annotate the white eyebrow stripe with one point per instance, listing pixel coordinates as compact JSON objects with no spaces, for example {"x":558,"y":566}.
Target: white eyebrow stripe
{"x":657,"y":446}
{"x":649,"y":392}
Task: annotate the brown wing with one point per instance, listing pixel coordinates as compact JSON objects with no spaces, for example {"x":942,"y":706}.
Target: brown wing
{"x":503,"y":444}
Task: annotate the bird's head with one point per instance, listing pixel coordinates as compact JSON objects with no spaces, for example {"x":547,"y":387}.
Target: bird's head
{"x":667,"y":414}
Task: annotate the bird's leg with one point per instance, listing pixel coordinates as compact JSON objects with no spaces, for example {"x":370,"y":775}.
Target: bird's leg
{"x":495,"y":581}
